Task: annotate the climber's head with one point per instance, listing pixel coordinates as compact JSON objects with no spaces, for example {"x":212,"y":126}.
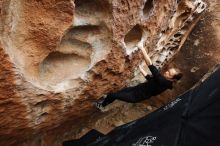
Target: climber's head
{"x":173,"y":74}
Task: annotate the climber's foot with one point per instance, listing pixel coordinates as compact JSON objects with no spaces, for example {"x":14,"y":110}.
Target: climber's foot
{"x":99,"y":105}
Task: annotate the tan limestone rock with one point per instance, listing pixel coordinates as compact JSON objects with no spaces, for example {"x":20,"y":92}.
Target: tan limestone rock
{"x":59,"y":56}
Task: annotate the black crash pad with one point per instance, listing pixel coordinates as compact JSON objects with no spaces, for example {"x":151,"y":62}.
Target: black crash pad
{"x":192,"y":119}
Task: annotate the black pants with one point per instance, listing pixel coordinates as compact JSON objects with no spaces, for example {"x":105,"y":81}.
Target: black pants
{"x":130,"y":94}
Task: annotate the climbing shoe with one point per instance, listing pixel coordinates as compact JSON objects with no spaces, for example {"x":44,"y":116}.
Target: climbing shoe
{"x":99,"y":106}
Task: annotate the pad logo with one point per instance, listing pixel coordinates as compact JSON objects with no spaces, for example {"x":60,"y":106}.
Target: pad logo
{"x":145,"y":141}
{"x":172,"y":104}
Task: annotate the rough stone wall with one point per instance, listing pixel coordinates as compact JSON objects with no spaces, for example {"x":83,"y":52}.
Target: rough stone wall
{"x":59,"y":56}
{"x":197,"y":56}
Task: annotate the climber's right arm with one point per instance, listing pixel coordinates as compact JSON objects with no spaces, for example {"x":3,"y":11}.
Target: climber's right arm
{"x":146,"y":57}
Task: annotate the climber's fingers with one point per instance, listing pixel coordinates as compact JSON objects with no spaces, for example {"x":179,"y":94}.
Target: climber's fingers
{"x":140,"y":45}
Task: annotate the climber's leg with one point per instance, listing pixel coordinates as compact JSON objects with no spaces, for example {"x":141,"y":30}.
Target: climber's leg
{"x":130,"y":94}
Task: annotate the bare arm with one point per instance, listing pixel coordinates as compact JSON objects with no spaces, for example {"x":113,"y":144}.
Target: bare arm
{"x":146,"y":57}
{"x":144,"y":73}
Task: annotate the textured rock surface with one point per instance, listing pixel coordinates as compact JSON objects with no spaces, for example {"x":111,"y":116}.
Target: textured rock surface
{"x":197,"y":56}
{"x":59,"y":56}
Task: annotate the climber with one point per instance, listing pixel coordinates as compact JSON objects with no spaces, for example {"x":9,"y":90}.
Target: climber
{"x":155,"y":85}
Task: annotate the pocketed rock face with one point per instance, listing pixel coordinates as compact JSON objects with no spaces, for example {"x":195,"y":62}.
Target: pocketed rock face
{"x":199,"y":54}
{"x":59,"y":56}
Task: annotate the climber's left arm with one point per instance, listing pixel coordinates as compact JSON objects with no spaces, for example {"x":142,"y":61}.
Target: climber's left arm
{"x":144,"y":73}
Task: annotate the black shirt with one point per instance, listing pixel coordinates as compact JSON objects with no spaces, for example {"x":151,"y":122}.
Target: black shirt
{"x":155,"y":84}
